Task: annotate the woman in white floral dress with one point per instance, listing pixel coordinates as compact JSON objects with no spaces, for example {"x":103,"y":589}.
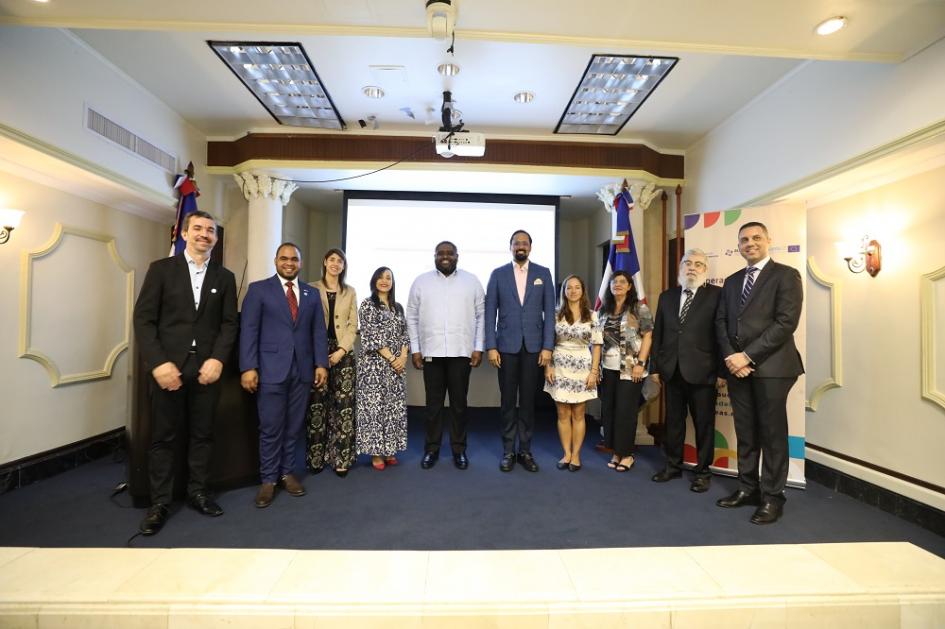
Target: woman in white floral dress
{"x":571,"y":378}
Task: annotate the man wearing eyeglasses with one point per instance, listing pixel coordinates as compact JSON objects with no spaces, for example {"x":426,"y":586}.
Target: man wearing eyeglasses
{"x":685,"y":357}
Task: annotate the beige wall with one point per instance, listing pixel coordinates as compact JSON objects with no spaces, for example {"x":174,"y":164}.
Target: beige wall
{"x":878,"y":415}
{"x":70,"y":322}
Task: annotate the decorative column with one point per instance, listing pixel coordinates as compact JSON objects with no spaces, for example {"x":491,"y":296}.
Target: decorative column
{"x":267,"y":196}
{"x":642,"y":192}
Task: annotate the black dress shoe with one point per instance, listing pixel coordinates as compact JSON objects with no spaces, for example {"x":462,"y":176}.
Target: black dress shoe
{"x":429,"y":459}
{"x":768,"y":512}
{"x":460,"y":460}
{"x":528,"y":461}
{"x":739,"y":498}
{"x":666,"y":474}
{"x":700,"y":484}
{"x":154,"y":520}
{"x":508,"y":462}
{"x":204,"y":504}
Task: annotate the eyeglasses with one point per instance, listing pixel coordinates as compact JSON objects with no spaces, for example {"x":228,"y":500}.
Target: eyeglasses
{"x":698,"y":265}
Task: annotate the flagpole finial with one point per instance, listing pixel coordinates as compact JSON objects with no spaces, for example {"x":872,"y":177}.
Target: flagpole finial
{"x":625,"y":185}
{"x":190,"y":170}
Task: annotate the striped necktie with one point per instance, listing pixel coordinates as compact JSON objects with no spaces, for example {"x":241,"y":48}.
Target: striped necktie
{"x":749,"y":284}
{"x":685,"y":307}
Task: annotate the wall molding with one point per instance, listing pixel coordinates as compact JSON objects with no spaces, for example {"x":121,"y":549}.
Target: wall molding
{"x":25,"y":347}
{"x":835,"y":380}
{"x":929,"y":319}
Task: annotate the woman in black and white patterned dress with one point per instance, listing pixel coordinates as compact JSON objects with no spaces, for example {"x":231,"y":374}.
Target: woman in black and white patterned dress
{"x":571,"y":378}
{"x":382,"y":386}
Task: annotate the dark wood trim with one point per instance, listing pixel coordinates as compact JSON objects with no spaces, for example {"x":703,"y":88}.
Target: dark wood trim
{"x":68,"y":448}
{"x":380,"y":148}
{"x":877,"y":468}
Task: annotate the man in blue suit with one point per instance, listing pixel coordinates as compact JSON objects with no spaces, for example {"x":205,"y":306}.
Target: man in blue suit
{"x":283,"y":341}
{"x":520,"y":335}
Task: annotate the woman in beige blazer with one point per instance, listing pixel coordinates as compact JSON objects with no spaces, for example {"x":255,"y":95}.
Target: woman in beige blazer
{"x":331,"y":410}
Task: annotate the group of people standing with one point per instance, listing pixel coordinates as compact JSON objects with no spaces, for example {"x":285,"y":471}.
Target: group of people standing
{"x":296,"y":354}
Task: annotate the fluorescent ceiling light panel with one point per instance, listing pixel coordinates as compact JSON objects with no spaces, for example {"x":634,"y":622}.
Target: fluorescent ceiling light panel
{"x":610,"y":92}
{"x":283,"y":79}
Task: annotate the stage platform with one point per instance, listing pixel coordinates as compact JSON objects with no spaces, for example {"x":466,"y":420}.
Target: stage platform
{"x":856,"y":585}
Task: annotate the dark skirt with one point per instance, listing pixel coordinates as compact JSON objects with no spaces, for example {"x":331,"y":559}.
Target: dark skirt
{"x":330,"y":422}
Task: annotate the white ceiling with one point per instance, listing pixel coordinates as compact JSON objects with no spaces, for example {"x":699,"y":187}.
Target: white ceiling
{"x":730,"y":52}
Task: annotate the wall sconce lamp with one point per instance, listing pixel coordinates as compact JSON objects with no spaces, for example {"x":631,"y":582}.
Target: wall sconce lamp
{"x":866,"y":255}
{"x":9,"y":220}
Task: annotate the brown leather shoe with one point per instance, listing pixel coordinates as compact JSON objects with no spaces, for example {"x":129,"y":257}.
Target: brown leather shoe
{"x":265,"y":495}
{"x":292,"y":485}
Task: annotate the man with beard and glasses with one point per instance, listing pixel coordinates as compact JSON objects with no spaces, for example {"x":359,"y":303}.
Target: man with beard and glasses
{"x":759,"y":310}
{"x":520,"y":337}
{"x":185,"y":323}
{"x":446,"y":328}
{"x":283,"y":348}
{"x":685,"y":357}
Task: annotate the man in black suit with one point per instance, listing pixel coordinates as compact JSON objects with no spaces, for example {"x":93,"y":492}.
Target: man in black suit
{"x":185,"y":325}
{"x":758,"y":312}
{"x":686,"y":356}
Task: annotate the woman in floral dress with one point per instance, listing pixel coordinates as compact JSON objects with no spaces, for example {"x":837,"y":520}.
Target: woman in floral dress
{"x":382,"y":385}
{"x":571,"y":378}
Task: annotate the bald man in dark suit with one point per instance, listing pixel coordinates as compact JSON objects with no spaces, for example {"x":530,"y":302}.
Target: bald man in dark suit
{"x":758,"y":313}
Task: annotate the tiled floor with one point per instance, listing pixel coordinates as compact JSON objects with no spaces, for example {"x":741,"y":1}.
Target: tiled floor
{"x":890,"y":584}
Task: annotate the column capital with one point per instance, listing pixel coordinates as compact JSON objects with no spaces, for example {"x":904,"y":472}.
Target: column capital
{"x":256,"y":185}
{"x":643,"y":192}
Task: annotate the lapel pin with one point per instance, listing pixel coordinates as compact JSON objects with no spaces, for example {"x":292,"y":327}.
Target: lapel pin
{"x":213,"y":290}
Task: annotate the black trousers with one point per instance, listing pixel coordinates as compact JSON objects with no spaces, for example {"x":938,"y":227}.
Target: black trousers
{"x":619,"y":406}
{"x":442,"y":375}
{"x":186,"y":413}
{"x":697,"y":400}
{"x":518,"y":381}
{"x":761,"y":429}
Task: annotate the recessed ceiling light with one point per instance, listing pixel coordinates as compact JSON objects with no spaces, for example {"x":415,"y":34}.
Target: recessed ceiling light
{"x":448,"y":69}
{"x":523,"y":97}
{"x":831,"y":25}
{"x":372,"y":91}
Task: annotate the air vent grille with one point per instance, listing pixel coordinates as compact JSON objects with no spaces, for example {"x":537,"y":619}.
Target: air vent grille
{"x":116,"y":133}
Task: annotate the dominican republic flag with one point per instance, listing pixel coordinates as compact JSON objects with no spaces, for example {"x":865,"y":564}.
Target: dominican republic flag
{"x":187,"y":189}
{"x":623,"y":248}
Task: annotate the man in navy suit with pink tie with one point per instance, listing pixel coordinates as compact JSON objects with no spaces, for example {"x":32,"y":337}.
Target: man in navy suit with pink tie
{"x":520,"y":336}
{"x":283,"y":347}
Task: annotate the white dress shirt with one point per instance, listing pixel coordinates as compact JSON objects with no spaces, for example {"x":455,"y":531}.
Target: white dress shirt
{"x":446,"y":314}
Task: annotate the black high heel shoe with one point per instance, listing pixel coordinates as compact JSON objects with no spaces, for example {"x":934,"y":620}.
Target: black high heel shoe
{"x":562,"y":465}
{"x":574,"y":468}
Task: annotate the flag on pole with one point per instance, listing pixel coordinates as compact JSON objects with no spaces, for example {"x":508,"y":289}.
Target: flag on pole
{"x":623,"y":247}
{"x":187,"y":203}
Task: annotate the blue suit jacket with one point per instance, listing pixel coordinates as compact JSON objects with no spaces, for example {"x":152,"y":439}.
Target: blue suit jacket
{"x":269,"y":338}
{"x":510,"y":324}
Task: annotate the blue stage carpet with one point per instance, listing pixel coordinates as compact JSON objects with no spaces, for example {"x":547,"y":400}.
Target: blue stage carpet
{"x":408,"y":508}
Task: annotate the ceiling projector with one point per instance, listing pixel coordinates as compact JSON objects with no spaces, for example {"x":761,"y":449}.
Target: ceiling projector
{"x":462,"y":143}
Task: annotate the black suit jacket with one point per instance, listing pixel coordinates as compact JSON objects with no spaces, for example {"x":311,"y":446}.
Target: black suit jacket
{"x":764,"y":327}
{"x":166,"y":322}
{"x":691,"y":348}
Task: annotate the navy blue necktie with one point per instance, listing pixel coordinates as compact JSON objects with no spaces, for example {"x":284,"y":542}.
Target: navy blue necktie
{"x":749,"y":284}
